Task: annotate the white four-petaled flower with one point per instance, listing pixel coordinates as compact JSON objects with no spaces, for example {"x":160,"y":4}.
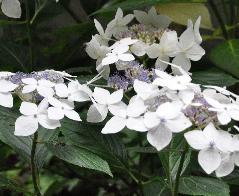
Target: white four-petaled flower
{"x":61,"y":108}
{"x":32,"y":116}
{"x":102,"y":101}
{"x":126,"y":116}
{"x":211,"y":142}
{"x":44,"y":87}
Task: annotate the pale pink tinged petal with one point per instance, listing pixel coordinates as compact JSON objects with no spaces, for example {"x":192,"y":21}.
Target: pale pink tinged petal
{"x":162,"y":21}
{"x":151,"y":120}
{"x":139,"y":48}
{"x":196,"y":139}
{"x":126,"y":57}
{"x":29,"y":88}
{"x":6,"y":100}
{"x":209,"y":159}
{"x":61,"y":90}
{"x":114,"y":125}
{"x":197,"y":35}
{"x":136,"y":124}
{"x":6,"y":73}
{"x":223,"y":117}
{"x":236,"y":158}
{"x":136,"y":108}
{"x":119,"y":13}
{"x":161,"y":65}
{"x":128,"y":18}
{"x":11,"y":8}
{"x":163,"y":74}
{"x":93,"y":115}
{"x":186,"y":96}
{"x":210,"y":131}
{"x":145,"y":90}
{"x":159,"y":137}
{"x":79,"y":96}
{"x":103,"y":110}
{"x":178,"y":124}
{"x":234,"y":113}
{"x":55,"y":113}
{"x":7,"y":86}
{"x":28,"y":108}
{"x":168,"y":110}
{"x":214,"y":103}
{"x":30,"y":81}
{"x":128,"y":41}
{"x":25,"y":126}
{"x":115,"y":97}
{"x":99,"y":27}
{"x":161,"y":82}
{"x":195,"y":53}
{"x":47,"y":123}
{"x":46,"y":83}
{"x":120,"y":49}
{"x":182,"y":61}
{"x":43,"y":105}
{"x":67,"y":104}
{"x":73,"y":115}
{"x":224,"y":141}
{"x":186,"y":40}
{"x":54,"y":102}
{"x":118,"y":109}
{"x":45,"y":91}
{"x":153,"y":51}
{"x":169,"y":43}
{"x":209,"y":93}
{"x":101,"y":95}
{"x":226,"y":167}
{"x":110,"y":59}
{"x":96,"y":114}
{"x":141,"y":16}
{"x":74,"y":86}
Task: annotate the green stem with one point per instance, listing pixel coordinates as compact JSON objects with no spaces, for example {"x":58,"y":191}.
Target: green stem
{"x":180,"y":168}
{"x":140,"y":166}
{"x":219,"y":18}
{"x":33,"y":166}
{"x":29,"y":34}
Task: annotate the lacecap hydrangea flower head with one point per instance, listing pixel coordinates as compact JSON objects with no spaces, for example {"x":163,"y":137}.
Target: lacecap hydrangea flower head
{"x":149,"y":89}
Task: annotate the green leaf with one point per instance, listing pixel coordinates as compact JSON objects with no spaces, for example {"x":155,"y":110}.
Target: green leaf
{"x":133,"y":4}
{"x":171,"y":159}
{"x":9,"y":184}
{"x":195,"y":185}
{"x":22,"y":145}
{"x":181,"y":12}
{"x":156,"y":187}
{"x":226,"y":56}
{"x":88,"y":136}
{"x":13,"y":56}
{"x":78,"y":156}
{"x":214,"y":77}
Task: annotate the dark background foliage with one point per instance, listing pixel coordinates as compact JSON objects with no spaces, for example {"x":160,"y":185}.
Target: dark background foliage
{"x":76,"y":159}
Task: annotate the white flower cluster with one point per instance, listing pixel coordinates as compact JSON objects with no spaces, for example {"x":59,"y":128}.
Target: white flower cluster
{"x":149,"y":37}
{"x":161,"y":107}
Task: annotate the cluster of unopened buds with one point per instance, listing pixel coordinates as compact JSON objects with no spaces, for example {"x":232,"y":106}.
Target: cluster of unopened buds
{"x":160,"y":104}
